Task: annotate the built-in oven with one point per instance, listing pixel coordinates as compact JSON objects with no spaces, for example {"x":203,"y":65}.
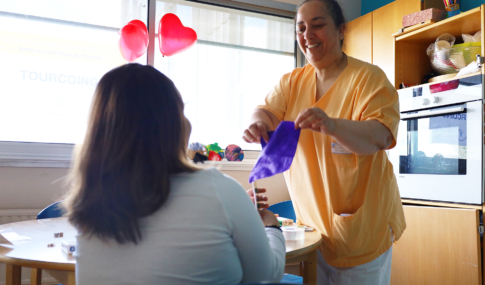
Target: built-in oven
{"x":439,"y":147}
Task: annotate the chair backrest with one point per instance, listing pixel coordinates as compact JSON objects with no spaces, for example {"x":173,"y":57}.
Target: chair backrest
{"x":52,"y":211}
{"x":284,"y":209}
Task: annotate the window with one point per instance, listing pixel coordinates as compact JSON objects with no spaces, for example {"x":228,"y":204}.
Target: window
{"x":54,"y":52}
{"x":238,"y":58}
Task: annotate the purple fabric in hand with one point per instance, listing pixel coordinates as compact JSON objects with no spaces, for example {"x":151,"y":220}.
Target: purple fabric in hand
{"x":277,"y":155}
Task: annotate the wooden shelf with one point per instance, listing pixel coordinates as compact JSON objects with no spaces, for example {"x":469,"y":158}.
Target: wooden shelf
{"x":439,"y":81}
{"x":464,"y":23}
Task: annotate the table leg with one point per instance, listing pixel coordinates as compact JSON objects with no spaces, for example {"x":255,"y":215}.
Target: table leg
{"x":13,"y":275}
{"x":309,"y":271}
{"x":71,"y":278}
{"x":35,"y":276}
{"x":64,"y":277}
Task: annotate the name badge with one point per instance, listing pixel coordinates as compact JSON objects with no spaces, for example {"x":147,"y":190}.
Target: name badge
{"x":338,"y":148}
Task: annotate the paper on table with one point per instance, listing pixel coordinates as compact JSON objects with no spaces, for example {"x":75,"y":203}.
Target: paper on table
{"x":3,"y":240}
{"x":11,"y":238}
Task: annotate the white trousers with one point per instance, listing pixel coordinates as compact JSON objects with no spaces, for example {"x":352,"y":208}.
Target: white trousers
{"x":376,"y":272}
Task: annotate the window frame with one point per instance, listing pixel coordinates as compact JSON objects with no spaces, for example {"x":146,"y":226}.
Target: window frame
{"x":58,"y":155}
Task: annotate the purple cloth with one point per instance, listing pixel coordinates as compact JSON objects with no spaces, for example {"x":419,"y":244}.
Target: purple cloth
{"x":277,"y":155}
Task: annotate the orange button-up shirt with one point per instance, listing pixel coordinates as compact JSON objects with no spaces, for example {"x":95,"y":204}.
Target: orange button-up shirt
{"x":324,"y":184}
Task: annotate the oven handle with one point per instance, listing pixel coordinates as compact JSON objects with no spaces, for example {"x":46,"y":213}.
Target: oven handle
{"x":432,"y":113}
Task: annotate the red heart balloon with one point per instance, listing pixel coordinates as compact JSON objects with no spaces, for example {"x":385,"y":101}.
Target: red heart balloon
{"x":173,"y":36}
{"x":133,"y":40}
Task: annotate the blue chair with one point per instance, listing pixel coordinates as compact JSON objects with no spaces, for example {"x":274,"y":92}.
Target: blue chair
{"x":284,"y":209}
{"x":52,"y":211}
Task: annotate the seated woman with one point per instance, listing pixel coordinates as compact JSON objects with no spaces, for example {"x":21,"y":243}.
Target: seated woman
{"x":144,"y":214}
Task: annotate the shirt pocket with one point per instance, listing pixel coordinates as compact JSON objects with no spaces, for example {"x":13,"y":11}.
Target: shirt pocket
{"x":341,"y":156}
{"x":347,"y":233}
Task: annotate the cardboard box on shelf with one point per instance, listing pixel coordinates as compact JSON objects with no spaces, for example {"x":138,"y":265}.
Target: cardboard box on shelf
{"x":432,"y":14}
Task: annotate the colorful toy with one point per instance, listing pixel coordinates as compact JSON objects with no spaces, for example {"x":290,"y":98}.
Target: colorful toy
{"x":234,"y":153}
{"x":215,"y":148}
{"x":197,"y":148}
{"x":214,"y":156}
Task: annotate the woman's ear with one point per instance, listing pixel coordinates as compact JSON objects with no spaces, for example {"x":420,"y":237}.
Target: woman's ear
{"x":341,"y":31}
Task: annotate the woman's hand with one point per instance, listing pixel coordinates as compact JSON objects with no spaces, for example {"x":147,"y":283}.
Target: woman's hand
{"x":268,"y":218}
{"x":260,"y":198}
{"x":316,"y":120}
{"x":253,"y":133}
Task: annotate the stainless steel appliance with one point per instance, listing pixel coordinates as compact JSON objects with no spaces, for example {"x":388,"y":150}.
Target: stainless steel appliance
{"x":439,"y":150}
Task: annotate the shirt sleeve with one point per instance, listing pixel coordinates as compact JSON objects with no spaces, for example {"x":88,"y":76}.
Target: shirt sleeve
{"x":261,"y":250}
{"x":378,"y":101}
{"x":277,"y":100}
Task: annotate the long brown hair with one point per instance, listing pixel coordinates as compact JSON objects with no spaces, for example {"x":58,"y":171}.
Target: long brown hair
{"x":136,"y":139}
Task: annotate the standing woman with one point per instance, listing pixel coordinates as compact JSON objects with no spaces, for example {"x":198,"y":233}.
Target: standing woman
{"x":340,"y":182}
{"x":144,"y":214}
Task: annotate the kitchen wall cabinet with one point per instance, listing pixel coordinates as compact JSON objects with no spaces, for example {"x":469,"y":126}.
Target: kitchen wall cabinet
{"x":358,"y":38}
{"x":373,"y":32}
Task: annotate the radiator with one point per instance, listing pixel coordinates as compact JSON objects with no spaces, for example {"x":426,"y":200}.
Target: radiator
{"x":18,"y":215}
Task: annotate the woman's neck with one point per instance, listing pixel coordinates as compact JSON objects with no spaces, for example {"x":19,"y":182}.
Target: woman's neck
{"x":331,"y":69}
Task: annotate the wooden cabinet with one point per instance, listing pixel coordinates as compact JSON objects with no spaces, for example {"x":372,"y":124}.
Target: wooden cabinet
{"x":358,"y":38}
{"x":439,"y":246}
{"x":369,"y":38}
{"x":387,"y":20}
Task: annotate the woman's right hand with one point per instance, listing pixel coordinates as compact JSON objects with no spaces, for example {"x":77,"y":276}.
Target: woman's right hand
{"x":268,"y":218}
{"x":256,"y":130}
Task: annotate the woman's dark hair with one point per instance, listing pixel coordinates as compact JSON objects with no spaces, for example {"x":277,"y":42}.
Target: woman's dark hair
{"x":335,"y":12}
{"x":136,"y":139}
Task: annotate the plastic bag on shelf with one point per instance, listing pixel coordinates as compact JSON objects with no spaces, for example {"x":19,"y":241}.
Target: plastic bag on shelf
{"x":471,"y":39}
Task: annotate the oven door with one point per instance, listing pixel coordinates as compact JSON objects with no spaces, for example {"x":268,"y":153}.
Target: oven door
{"x":439,"y":152}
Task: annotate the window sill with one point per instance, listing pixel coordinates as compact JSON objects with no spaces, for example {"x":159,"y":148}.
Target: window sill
{"x":19,"y":154}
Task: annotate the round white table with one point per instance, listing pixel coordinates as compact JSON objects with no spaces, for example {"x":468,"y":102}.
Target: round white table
{"x":37,"y":255}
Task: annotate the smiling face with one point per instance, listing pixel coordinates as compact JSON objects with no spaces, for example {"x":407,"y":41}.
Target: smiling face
{"x":317,"y":35}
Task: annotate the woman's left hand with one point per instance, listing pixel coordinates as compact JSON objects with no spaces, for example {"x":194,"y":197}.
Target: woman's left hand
{"x":316,"y":120}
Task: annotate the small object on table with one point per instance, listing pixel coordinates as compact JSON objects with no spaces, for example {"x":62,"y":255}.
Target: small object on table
{"x":68,"y":247}
{"x":50,"y":245}
{"x":293,"y":232}
{"x":234,"y":153}
{"x":285,"y":221}
{"x":56,"y":235}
